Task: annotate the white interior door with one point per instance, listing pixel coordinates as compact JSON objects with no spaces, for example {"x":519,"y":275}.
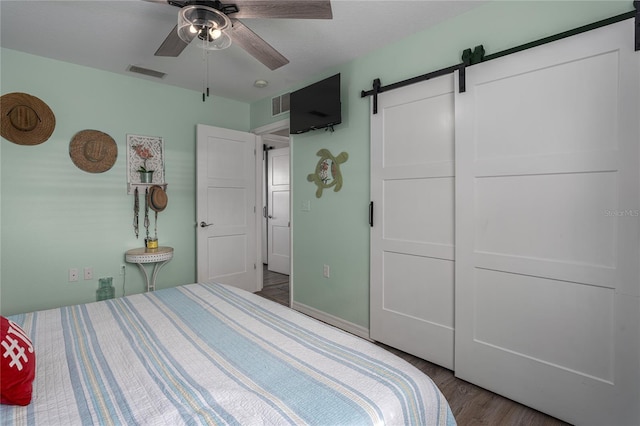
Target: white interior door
{"x":547,"y":234}
{"x":225,"y":204}
{"x":412,"y":184}
{"x":278,"y":210}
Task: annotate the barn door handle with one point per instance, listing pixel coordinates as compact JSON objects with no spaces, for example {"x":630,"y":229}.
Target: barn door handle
{"x":371,"y":214}
{"x":204,"y":225}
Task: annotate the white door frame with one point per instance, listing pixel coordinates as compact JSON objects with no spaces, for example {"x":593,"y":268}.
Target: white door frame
{"x":263,"y":130}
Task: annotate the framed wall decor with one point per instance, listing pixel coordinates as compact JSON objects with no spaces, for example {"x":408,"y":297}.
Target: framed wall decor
{"x":145,"y":160}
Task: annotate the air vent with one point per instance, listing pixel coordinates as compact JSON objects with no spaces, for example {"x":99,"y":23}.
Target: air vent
{"x":280,"y":104}
{"x":146,"y":71}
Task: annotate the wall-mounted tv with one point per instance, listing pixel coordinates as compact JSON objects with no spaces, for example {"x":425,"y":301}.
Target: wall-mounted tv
{"x":316,"y":106}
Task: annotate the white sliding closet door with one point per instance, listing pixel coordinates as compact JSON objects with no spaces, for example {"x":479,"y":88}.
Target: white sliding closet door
{"x":412,"y":182}
{"x":547,"y":228}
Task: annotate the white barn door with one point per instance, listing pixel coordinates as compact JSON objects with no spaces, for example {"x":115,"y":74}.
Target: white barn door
{"x":547,"y":228}
{"x":225,"y":207}
{"x":412,"y":183}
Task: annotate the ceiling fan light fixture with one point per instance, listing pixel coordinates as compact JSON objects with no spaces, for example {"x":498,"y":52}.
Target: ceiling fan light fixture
{"x":198,"y":20}
{"x":221,"y":42}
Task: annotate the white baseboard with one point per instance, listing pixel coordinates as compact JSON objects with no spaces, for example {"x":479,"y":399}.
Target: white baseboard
{"x":347,"y":326}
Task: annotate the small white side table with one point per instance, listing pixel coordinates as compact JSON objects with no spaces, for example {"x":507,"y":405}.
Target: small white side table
{"x":159,"y":257}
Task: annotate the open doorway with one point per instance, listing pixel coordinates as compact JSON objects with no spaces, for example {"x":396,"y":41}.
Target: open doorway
{"x":275,"y":209}
{"x":275,"y":194}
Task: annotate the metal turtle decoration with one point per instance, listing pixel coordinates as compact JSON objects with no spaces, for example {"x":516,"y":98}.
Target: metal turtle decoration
{"x":327,"y":172}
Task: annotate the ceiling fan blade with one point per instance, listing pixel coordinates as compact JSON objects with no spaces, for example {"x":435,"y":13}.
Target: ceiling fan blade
{"x":172,"y":45}
{"x":256,"y":46}
{"x":293,"y":9}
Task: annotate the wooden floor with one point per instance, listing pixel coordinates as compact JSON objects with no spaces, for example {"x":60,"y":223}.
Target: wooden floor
{"x":470,"y":404}
{"x":275,"y":287}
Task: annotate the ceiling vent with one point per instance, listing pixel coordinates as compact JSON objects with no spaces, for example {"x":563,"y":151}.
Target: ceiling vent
{"x":146,"y":71}
{"x":280,"y":104}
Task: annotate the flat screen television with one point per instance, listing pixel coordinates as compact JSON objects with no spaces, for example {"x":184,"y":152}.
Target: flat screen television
{"x":316,"y":106}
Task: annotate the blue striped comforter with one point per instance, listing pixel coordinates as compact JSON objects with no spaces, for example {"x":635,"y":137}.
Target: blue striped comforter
{"x":212,"y":354}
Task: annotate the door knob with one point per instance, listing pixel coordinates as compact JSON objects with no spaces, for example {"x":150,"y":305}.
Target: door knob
{"x":270,"y":217}
{"x":204,"y":225}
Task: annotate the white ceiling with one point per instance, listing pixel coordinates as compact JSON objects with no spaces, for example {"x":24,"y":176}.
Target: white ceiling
{"x":112,"y":35}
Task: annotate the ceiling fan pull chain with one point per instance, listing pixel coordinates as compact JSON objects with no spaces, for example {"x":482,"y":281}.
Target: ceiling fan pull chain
{"x":204,"y":63}
{"x":207,"y":74}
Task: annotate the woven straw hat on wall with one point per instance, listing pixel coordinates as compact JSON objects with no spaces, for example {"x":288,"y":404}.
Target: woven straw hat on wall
{"x":93,"y":151}
{"x":26,"y":120}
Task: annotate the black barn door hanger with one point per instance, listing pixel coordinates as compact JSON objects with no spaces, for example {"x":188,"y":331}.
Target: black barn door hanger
{"x":475,"y":56}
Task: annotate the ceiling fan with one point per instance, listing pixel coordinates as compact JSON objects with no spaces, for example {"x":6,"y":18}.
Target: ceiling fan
{"x":217,"y":23}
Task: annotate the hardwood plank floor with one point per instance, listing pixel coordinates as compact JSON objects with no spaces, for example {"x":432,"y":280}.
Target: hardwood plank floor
{"x":471,"y":405}
{"x":275,"y":286}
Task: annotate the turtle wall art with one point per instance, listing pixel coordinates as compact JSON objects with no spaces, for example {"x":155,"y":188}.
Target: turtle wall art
{"x":327,"y":172}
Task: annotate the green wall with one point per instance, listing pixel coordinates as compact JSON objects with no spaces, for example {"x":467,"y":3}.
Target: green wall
{"x":55,"y":216}
{"x":335,"y":230}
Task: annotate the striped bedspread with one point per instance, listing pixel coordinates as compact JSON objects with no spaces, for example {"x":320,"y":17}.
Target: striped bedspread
{"x":212,"y":354}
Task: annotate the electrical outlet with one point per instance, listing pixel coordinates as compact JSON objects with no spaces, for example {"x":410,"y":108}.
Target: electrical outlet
{"x":122,"y":269}
{"x":88,"y":273}
{"x":73,"y":274}
{"x":326,"y":271}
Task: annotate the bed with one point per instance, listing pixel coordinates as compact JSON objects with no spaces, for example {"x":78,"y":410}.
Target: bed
{"x":212,"y":354}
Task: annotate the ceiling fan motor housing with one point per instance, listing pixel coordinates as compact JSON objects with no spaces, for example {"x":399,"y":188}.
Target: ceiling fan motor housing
{"x":215,"y":4}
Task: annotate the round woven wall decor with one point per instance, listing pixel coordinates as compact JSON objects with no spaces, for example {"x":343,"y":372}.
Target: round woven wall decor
{"x":93,"y":151}
{"x":26,"y":120}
